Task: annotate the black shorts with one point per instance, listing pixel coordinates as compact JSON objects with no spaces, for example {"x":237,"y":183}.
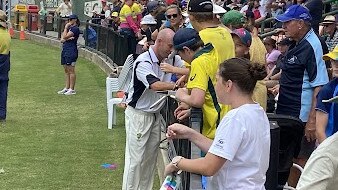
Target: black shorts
{"x":68,"y":58}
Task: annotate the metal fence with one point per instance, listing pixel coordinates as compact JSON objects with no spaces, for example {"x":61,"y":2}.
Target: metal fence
{"x":183,"y":147}
{"x":107,"y":41}
{"x":97,"y":38}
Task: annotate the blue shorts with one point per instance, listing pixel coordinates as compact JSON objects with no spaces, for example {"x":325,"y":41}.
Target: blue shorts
{"x":68,"y":58}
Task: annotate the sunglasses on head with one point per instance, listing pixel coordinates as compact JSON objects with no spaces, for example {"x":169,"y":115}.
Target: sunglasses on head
{"x":172,"y":16}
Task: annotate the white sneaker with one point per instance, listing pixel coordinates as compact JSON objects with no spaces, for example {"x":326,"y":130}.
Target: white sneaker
{"x":70,"y":92}
{"x":63,"y":91}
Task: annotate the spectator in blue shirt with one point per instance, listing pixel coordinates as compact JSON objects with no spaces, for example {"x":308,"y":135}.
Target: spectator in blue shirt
{"x":303,"y":74}
{"x":91,"y":37}
{"x":327,"y":112}
{"x":70,"y":53}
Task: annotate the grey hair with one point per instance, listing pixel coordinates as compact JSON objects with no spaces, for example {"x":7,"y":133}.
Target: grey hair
{"x":307,"y":23}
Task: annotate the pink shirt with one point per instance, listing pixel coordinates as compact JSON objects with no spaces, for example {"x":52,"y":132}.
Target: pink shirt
{"x":272,"y":57}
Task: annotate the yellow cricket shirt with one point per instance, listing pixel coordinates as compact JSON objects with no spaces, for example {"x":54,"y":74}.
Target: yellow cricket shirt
{"x":136,"y":10}
{"x":258,"y":52}
{"x":203,"y":76}
{"x":222,"y":41}
{"x":5,"y":41}
{"x":124,"y":12}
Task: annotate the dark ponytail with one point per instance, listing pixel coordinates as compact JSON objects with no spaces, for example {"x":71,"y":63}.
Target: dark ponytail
{"x":243,"y":73}
{"x":78,"y":23}
{"x":257,"y":71}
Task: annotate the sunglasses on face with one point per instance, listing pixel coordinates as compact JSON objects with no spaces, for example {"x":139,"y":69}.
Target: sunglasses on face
{"x":171,"y":16}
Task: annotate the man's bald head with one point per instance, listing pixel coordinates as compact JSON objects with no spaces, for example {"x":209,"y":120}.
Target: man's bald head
{"x":165,"y":34}
{"x":164,"y":43}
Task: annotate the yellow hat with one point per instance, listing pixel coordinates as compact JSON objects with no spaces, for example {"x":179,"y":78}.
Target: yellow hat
{"x":115,"y":14}
{"x":332,"y":54}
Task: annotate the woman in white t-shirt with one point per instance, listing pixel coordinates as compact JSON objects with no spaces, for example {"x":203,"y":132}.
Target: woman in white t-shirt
{"x":238,"y":158}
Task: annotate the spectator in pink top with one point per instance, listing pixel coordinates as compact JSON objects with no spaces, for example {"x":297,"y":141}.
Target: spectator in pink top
{"x":128,"y":27}
{"x":272,"y":55}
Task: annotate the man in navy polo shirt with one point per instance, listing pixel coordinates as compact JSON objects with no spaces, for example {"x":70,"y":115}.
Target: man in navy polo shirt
{"x":303,"y":74}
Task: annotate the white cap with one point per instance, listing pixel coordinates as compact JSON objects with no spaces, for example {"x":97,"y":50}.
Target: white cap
{"x":218,"y":9}
{"x":148,"y":19}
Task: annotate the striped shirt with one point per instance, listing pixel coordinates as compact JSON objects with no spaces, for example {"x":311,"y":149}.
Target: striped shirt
{"x":146,"y":71}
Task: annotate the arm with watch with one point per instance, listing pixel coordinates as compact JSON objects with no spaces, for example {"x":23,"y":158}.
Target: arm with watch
{"x":207,"y":166}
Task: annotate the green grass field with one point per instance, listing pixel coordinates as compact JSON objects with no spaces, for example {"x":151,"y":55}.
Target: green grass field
{"x":53,"y":141}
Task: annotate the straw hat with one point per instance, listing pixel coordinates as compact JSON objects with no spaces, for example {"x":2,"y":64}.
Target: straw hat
{"x":330,"y":19}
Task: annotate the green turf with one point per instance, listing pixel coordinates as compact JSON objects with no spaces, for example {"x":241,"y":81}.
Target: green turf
{"x":53,"y":141}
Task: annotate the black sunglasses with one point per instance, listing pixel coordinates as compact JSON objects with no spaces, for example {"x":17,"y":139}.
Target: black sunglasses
{"x":172,"y":16}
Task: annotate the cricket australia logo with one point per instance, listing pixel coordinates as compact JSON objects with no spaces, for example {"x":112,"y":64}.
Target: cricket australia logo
{"x":292,"y":60}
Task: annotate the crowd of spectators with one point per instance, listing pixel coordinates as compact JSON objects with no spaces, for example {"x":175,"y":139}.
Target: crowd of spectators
{"x":206,"y":35}
{"x":132,"y":18}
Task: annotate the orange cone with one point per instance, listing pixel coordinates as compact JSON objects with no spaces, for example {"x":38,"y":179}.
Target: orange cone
{"x":22,"y":34}
{"x":11,"y":31}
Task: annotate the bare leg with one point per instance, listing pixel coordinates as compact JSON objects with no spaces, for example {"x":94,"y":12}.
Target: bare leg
{"x":72,"y":77}
{"x":66,"y":77}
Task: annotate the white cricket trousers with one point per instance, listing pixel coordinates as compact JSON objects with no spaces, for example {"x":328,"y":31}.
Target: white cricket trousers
{"x":142,"y":146}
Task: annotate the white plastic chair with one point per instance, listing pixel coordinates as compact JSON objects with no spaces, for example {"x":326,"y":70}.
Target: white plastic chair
{"x":126,"y":73}
{"x":287,"y":187}
{"x":121,"y":83}
{"x":111,"y":87}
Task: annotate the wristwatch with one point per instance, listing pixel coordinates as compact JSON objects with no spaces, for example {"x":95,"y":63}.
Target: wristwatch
{"x":175,"y":87}
{"x":176,"y":160}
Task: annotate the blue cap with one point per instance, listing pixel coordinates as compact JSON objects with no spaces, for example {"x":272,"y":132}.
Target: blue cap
{"x":185,"y":37}
{"x":243,"y":35}
{"x":73,"y":17}
{"x":295,"y":12}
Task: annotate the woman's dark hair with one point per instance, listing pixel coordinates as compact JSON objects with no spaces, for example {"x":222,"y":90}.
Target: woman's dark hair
{"x":243,"y":73}
{"x":270,"y":41}
{"x":78,"y":22}
{"x":159,"y":10}
{"x":250,"y":4}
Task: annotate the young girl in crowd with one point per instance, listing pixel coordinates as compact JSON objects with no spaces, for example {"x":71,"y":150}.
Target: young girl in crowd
{"x":70,"y":53}
{"x":242,"y":40}
{"x":238,"y":158}
{"x":272,"y":55}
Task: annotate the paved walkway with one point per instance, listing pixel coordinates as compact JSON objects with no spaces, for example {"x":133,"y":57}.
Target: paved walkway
{"x":81,"y":40}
